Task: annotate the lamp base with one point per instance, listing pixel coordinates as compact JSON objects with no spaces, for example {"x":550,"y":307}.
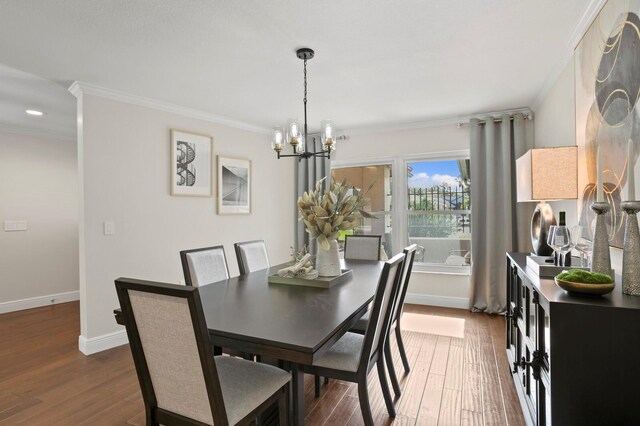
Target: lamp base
{"x":541,"y":221}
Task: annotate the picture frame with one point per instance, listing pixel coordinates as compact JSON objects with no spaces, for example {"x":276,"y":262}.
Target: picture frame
{"x":606,"y":104}
{"x":234,"y":185}
{"x":191,"y":164}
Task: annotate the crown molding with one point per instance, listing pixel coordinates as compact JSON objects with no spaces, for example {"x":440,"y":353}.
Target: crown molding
{"x":457,"y":120}
{"x":79,"y":88}
{"x":589,"y":15}
{"x":36,"y":133}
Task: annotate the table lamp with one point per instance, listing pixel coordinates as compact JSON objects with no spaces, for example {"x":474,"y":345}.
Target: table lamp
{"x":546,"y":174}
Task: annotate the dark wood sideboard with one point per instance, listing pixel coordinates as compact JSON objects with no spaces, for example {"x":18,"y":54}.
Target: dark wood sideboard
{"x":575,"y":360}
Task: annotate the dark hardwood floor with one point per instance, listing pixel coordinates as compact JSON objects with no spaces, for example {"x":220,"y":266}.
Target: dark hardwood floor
{"x":459,"y":375}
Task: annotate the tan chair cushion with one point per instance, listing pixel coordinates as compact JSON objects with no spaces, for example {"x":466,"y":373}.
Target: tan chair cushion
{"x":362,"y":323}
{"x":170,"y":349}
{"x":245,"y":384}
{"x":362,"y":248}
{"x":207,"y":266}
{"x":344,"y":355}
{"x":254,"y":256}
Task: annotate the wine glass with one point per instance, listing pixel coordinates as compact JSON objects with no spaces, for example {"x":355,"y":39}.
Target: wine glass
{"x":582,"y":243}
{"x":551,"y":230}
{"x":560,"y":241}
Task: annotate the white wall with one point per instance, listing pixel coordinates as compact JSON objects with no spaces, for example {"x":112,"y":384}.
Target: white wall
{"x":38,"y":183}
{"x":124,"y":151}
{"x":555,"y":125}
{"x":427,"y":288}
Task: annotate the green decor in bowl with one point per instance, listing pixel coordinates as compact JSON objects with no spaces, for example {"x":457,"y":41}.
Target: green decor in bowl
{"x":585,"y":282}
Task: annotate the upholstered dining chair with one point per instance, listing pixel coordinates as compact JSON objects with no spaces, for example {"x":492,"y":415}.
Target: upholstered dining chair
{"x":204,"y":265}
{"x":353,"y":356}
{"x":182,"y":382}
{"x":252,"y":256}
{"x":394,"y":323}
{"x":362,"y":247}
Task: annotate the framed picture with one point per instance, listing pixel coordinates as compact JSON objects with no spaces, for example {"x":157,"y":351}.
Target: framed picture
{"x":191,"y":164}
{"x":607,"y":95}
{"x":234,"y":186}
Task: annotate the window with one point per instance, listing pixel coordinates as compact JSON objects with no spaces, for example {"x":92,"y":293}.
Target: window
{"x":439,"y":211}
{"x":429,"y":204}
{"x":377,"y":180}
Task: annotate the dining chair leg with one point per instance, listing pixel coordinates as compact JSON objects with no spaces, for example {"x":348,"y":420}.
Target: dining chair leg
{"x":403,"y":354}
{"x":283,"y":409}
{"x":316,"y":386}
{"x":392,"y":369}
{"x":326,"y":380}
{"x":382,"y":375}
{"x":363,"y":396}
{"x":150,"y":420}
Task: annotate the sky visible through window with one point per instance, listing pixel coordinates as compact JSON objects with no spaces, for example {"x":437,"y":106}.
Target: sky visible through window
{"x":430,"y":173}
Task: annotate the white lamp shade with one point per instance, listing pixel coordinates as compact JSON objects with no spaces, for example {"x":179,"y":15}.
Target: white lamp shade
{"x":546,"y":174}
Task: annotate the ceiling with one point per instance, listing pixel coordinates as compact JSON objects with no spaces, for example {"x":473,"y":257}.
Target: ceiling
{"x":20,"y":91}
{"x":378,"y":62}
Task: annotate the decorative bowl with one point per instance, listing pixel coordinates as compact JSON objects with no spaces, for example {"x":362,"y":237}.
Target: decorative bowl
{"x":583,"y":288}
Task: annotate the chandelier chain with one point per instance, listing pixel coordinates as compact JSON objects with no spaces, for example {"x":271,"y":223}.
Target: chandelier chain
{"x":305,"y":82}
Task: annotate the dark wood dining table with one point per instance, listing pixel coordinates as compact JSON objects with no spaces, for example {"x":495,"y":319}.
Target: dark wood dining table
{"x":295,"y":324}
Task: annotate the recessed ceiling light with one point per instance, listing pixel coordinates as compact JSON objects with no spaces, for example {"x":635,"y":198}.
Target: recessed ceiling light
{"x":34,"y":112}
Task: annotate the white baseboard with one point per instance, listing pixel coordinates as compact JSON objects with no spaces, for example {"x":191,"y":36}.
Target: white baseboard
{"x":102,"y":343}
{"x":37,"y":302}
{"x":432,"y":300}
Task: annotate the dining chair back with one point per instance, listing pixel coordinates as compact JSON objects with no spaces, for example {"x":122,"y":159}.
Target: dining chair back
{"x":362,"y":247}
{"x":394,"y":322}
{"x":407,"y":267}
{"x":252,"y":256}
{"x":178,"y":374}
{"x":363,"y":323}
{"x":170,"y":346}
{"x":353,"y":356}
{"x":204,"y":265}
{"x":380,"y":317}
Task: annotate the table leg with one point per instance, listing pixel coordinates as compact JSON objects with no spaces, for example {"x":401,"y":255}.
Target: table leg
{"x":297,"y":383}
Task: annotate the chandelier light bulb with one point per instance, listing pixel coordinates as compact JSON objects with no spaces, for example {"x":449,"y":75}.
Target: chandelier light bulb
{"x":301,"y":144}
{"x":277,"y":139}
{"x":293,"y":133}
{"x":328,"y":136}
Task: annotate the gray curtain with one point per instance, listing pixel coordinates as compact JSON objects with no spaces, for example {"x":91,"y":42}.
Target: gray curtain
{"x":308,"y":172}
{"x":496,"y":222}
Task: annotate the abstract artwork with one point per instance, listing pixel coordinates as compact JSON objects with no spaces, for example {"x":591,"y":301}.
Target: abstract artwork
{"x":191,"y":164}
{"x":607,"y":88}
{"x":234,"y":186}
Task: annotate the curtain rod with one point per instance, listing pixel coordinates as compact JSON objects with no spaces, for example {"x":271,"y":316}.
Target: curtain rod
{"x":527,"y":116}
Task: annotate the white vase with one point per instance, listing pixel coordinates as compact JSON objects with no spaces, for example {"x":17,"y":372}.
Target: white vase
{"x":328,"y":261}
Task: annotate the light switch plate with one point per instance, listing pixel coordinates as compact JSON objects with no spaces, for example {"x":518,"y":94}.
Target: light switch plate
{"x":15,"y":225}
{"x":109,"y":227}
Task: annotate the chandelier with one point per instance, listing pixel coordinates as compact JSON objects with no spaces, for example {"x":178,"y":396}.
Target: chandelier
{"x":294,"y":136}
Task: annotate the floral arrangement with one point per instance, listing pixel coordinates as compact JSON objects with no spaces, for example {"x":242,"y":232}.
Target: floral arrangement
{"x":325,"y":213}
